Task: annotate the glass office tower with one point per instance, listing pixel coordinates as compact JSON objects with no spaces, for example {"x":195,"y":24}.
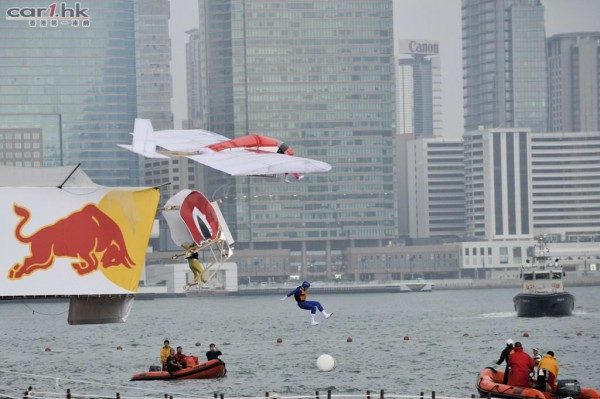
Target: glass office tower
{"x":68,"y":80}
{"x":418,"y":88}
{"x":574,"y":82}
{"x":320,"y":76}
{"x":504,"y":64}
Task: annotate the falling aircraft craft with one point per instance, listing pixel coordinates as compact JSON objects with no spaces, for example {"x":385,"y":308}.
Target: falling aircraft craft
{"x":198,"y":226}
{"x":251,"y":155}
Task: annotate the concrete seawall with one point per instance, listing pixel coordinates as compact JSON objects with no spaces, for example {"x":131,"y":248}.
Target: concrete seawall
{"x":409,"y":286}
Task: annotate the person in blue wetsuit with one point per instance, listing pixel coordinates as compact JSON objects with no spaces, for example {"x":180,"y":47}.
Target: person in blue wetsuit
{"x":300,"y":296}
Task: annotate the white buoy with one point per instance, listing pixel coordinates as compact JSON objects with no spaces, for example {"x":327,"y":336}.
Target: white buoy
{"x":326,"y":363}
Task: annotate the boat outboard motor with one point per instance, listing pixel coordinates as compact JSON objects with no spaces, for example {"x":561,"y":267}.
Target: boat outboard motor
{"x":568,"y":388}
{"x":542,"y":378}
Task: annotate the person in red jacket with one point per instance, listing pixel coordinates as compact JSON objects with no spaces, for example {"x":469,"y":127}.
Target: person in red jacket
{"x":520,"y":364}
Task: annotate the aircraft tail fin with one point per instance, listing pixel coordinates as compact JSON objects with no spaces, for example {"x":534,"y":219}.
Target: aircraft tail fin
{"x":144,"y":142}
{"x":142,"y":136}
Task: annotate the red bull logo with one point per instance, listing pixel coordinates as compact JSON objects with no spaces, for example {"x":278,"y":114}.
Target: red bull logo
{"x":88,"y":235}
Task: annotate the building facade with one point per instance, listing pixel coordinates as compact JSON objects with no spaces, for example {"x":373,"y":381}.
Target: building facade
{"x":574,"y":82}
{"x":196,"y":111}
{"x":319,"y":76}
{"x":565,"y":189}
{"x":504,"y":64}
{"x":498,"y":184}
{"x":436,"y":187}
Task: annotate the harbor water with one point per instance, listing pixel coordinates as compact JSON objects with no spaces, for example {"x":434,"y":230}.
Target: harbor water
{"x":403,"y":343}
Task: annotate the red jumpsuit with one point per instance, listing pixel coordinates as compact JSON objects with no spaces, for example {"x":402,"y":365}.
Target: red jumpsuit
{"x":521,"y":364}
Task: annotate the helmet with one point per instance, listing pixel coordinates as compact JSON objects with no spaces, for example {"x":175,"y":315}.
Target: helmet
{"x":305,"y":284}
{"x":509,"y":342}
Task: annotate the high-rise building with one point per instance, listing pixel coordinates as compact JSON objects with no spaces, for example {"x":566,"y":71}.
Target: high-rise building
{"x":320,"y":76}
{"x":418,"y":88}
{"x":436,"y":187}
{"x":153,"y":58}
{"x":70,"y":76}
{"x":196,"y":111}
{"x":498,"y":184}
{"x":574,"y":82}
{"x":504,"y":64}
{"x":73,"y":78}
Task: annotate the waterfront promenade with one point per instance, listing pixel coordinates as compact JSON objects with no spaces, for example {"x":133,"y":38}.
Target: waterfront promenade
{"x":590,"y":279}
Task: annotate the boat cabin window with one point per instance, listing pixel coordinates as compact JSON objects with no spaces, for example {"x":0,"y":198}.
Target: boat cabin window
{"x":542,"y":276}
{"x":527,"y":276}
{"x":556,"y":275}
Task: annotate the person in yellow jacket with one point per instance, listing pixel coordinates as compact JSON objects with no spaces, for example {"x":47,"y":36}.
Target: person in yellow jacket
{"x":165,"y":352}
{"x":549,"y":363}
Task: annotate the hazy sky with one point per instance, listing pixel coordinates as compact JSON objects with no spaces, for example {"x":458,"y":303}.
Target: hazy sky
{"x":438,"y":20}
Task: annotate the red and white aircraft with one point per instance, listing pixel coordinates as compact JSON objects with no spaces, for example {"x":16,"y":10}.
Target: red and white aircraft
{"x":251,"y":155}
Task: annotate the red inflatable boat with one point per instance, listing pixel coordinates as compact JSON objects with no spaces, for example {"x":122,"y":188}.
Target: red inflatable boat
{"x":194,"y":371}
{"x":489,"y":384}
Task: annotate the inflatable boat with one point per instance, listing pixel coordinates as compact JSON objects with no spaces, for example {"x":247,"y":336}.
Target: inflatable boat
{"x":193,"y":371}
{"x":489,"y":384}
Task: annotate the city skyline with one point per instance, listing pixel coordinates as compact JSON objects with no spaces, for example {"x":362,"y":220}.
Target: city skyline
{"x":423,"y":19}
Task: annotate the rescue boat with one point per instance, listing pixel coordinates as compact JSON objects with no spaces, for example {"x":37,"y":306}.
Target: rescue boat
{"x":543,"y":290}
{"x":489,"y":384}
{"x":193,"y":371}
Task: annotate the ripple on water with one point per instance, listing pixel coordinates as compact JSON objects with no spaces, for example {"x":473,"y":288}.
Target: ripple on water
{"x":436,"y":357}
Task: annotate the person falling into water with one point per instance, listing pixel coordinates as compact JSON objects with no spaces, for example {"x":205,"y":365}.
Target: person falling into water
{"x":300,"y":296}
{"x":195,"y":265}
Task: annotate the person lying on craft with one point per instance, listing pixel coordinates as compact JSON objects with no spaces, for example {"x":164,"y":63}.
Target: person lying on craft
{"x":172,"y":363}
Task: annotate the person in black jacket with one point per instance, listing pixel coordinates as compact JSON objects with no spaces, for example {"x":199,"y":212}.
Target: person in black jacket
{"x":213,"y":353}
{"x":504,"y":357}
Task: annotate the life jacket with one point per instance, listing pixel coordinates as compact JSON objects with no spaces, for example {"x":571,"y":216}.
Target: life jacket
{"x":300,"y":296}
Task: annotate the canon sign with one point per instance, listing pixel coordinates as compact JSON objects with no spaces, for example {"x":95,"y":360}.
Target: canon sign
{"x":419,"y":47}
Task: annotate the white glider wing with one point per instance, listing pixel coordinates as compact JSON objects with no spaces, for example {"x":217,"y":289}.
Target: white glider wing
{"x":236,"y":161}
{"x":242,"y":162}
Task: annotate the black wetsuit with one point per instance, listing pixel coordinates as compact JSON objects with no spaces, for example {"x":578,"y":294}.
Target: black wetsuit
{"x":504,"y":358}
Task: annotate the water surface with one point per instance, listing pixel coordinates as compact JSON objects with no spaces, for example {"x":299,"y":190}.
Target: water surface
{"x":404,"y":343}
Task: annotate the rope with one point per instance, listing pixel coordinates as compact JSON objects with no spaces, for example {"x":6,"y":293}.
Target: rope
{"x":42,"y":313}
{"x":92,"y":383}
{"x":271,"y":395}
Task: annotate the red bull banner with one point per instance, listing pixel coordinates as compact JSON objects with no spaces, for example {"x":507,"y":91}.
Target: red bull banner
{"x":73,"y":240}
